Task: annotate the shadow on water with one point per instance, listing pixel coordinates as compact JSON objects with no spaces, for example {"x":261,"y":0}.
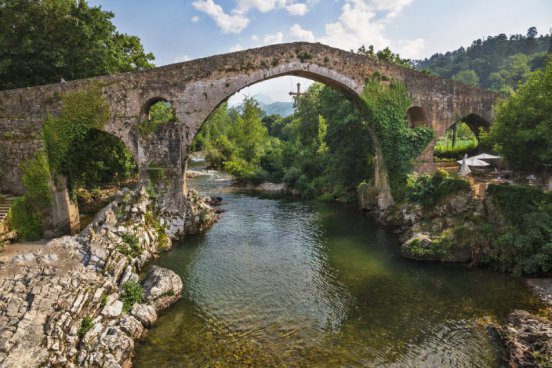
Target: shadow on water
{"x":280,"y":282}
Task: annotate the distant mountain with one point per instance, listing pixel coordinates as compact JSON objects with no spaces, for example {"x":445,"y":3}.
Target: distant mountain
{"x":279,"y":108}
{"x":260,"y":98}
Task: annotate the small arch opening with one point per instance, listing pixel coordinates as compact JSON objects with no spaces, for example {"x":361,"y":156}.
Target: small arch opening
{"x":476,"y":123}
{"x":155,"y":112}
{"x":417,"y":117}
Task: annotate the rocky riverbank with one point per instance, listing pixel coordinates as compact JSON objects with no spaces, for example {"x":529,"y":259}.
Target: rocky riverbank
{"x":459,"y":228}
{"x":527,"y":337}
{"x":78,"y":301}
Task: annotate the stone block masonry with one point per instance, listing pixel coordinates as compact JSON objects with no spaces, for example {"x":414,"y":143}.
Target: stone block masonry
{"x":64,"y":303}
{"x":196,"y":88}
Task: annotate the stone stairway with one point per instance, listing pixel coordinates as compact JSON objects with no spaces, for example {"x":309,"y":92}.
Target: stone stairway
{"x":5,"y":204}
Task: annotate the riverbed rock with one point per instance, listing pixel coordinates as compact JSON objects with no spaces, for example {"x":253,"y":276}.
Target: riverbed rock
{"x":60,"y":303}
{"x":144,"y":313}
{"x":162,"y":287}
{"x":528,"y":340}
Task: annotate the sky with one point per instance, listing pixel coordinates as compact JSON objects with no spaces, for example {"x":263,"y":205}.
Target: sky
{"x":181,"y":30}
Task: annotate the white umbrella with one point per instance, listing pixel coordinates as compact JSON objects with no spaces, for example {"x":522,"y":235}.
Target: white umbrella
{"x":465,"y":170}
{"x":486,"y":156}
{"x":473,"y":162}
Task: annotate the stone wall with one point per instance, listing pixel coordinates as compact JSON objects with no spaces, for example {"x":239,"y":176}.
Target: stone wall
{"x":197,"y":87}
{"x":47,"y":293}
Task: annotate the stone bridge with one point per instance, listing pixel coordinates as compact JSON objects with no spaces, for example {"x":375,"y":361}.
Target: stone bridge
{"x":195,"y":88}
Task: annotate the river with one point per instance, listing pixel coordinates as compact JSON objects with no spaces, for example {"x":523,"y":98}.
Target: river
{"x":280,"y":282}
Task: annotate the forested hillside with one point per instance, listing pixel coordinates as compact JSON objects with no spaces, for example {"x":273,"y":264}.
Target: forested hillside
{"x":498,"y":62}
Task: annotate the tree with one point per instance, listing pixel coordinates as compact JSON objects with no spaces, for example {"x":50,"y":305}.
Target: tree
{"x":44,"y":41}
{"x":467,"y":76}
{"x":532,"y":32}
{"x":522,"y":127}
{"x":489,"y":59}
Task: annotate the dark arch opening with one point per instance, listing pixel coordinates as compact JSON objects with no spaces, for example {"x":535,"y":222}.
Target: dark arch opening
{"x":462,"y":138}
{"x":417,"y":117}
{"x":99,"y":167}
{"x":476,"y":123}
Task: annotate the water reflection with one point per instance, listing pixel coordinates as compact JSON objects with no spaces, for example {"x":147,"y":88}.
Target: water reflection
{"x":278,"y":282}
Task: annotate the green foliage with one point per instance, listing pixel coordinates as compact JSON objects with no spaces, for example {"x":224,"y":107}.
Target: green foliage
{"x":42,"y":41}
{"x":215,"y":126}
{"x":467,"y":76}
{"x":99,"y":159}
{"x":159,"y":113}
{"x":522,"y":127}
{"x":456,"y":142}
{"x":385,"y":54}
{"x":86,"y":325}
{"x":132,"y":293}
{"x":27,"y":212}
{"x":325,"y":149}
{"x":439,"y":246}
{"x":103,"y":300}
{"x":81,"y":111}
{"x":24,"y":220}
{"x":444,"y":151}
{"x":386,"y":104}
{"x":130,"y":246}
{"x":522,"y":243}
{"x":516,"y":70}
{"x":428,"y":189}
{"x":500,"y":62}
{"x":36,"y":179}
{"x":152,"y":191}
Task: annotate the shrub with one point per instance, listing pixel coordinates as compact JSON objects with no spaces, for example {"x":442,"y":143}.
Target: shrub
{"x":132,"y":293}
{"x":428,"y":189}
{"x":456,"y":152}
{"x":522,"y":240}
{"x":24,"y":220}
{"x":131,"y":246}
{"x":86,"y":325}
{"x":36,"y":178}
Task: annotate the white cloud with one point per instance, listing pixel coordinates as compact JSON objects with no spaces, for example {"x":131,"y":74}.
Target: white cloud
{"x":411,"y":49}
{"x":299,"y":9}
{"x":261,"y":5}
{"x":181,"y":58}
{"x":254,"y":38}
{"x":357,"y":25}
{"x":271,"y":39}
{"x":195,"y":19}
{"x":228,"y":23}
{"x":236,"y":47}
{"x":237,"y":20}
{"x":296,"y":33}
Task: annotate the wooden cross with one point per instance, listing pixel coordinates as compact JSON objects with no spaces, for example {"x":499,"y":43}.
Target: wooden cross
{"x":298,"y":93}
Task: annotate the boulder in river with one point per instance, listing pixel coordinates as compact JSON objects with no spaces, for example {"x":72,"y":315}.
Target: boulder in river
{"x":162,"y":287}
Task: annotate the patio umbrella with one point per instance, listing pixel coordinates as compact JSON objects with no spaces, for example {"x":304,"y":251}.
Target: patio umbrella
{"x":472,"y":161}
{"x":486,"y":156}
{"x":465,"y":170}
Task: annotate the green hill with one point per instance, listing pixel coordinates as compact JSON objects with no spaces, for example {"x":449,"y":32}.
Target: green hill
{"x":498,"y":62}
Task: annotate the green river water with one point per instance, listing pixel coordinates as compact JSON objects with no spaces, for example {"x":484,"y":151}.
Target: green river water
{"x":279,"y":282}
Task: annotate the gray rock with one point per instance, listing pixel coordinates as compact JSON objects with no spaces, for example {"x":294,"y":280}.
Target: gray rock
{"x":114,"y":309}
{"x":162,"y":287}
{"x":144,"y":313}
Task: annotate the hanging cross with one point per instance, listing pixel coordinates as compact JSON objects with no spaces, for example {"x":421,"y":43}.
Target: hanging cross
{"x":298,"y":93}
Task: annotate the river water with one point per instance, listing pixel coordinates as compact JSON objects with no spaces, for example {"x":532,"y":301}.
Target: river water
{"x":279,"y":282}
